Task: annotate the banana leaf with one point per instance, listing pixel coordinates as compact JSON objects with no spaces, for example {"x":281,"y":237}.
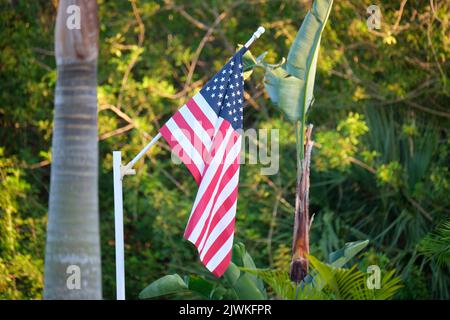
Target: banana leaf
{"x":250,"y":62}
{"x":291,"y":88}
{"x":167,"y":285}
{"x":233,"y":285}
{"x":340,"y":257}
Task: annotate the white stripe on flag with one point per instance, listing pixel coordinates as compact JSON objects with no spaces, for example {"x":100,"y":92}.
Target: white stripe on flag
{"x":223,"y":223}
{"x":223,"y":195}
{"x":187,"y":146}
{"x":206,"y":180}
{"x":196,"y":126}
{"x":207,"y":176}
{"x":206,"y":108}
{"x":220,"y":254}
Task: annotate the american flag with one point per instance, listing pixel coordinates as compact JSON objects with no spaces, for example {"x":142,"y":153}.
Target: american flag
{"x":205,"y":133}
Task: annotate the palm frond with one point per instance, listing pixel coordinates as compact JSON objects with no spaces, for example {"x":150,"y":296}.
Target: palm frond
{"x":436,"y":245}
{"x":350,"y":284}
{"x":328,"y":283}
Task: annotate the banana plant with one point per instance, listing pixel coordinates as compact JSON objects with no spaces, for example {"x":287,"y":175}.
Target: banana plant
{"x":235,"y":284}
{"x":244,"y":281}
{"x":290,"y":86}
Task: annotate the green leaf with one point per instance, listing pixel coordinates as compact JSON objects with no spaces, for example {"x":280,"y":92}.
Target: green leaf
{"x":232,"y":274}
{"x":289,"y":95}
{"x":389,"y":286}
{"x":247,"y":289}
{"x":350,"y":284}
{"x":271,"y":81}
{"x":261,"y":57}
{"x":278,"y":280}
{"x":292,"y":89}
{"x":238,"y":253}
{"x":200,"y":286}
{"x":340,"y":257}
{"x":436,"y":245}
{"x":303,"y":52}
{"x":166,"y":285}
{"x":248,"y":263}
{"x":219,"y":293}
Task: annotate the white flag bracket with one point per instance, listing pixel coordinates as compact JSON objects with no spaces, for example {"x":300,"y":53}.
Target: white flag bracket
{"x":126,"y":172}
{"x":119,"y":172}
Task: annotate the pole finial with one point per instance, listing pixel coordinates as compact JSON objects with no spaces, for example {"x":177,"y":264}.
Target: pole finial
{"x":260,"y":31}
{"x":255,"y":36}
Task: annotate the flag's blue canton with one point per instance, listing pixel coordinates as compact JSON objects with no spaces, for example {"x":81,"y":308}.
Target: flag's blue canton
{"x":225,"y":91}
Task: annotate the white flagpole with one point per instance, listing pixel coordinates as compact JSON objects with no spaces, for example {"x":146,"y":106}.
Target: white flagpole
{"x":118,"y":223}
{"x":119,"y":172}
{"x":128,"y":169}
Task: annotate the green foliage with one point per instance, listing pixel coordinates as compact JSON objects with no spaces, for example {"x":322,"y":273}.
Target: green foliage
{"x":235,"y":284}
{"x":291,"y":87}
{"x":167,"y":285}
{"x":331,"y":281}
{"x":337,"y":148}
{"x":243,"y":280}
{"x":21,"y":237}
{"x":436,"y":245}
{"x":350,"y":284}
{"x":340,"y":257}
{"x":390,"y":174}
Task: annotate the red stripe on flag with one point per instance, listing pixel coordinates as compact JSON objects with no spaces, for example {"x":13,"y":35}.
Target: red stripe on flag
{"x":228,"y":175}
{"x":198,"y":211}
{"x":190,"y":134}
{"x":221,"y":239}
{"x":226,"y":205}
{"x":200,"y":116}
{"x":221,"y":212}
{"x":223,"y":265}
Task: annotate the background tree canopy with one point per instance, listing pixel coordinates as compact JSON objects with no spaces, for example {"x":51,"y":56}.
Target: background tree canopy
{"x":379,"y":166}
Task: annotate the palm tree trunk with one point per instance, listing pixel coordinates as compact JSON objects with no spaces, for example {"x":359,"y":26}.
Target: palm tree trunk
{"x":73,"y":236}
